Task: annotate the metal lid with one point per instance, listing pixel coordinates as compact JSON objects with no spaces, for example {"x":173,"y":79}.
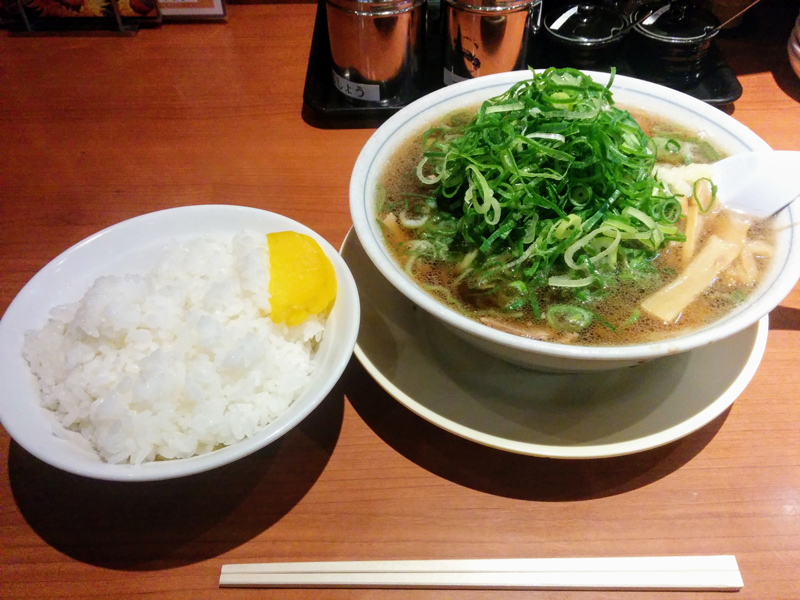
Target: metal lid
{"x":677,"y":22}
{"x":586,"y":24}
{"x":494,"y":6}
{"x":375,"y":8}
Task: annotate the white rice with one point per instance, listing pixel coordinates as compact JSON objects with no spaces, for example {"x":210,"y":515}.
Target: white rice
{"x":175,"y":362}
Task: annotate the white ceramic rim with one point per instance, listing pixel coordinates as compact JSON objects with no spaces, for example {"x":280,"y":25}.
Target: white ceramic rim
{"x":387,"y":379}
{"x":649,"y":442}
{"x":29,"y":426}
{"x":628,"y":92}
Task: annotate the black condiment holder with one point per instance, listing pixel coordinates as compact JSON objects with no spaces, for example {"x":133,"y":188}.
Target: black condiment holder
{"x":326,"y":107}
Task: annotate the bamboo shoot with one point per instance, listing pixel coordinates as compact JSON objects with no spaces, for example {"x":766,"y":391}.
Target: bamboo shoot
{"x":748,"y":266}
{"x":692,"y":231}
{"x":716,"y":255}
{"x":393,"y":229}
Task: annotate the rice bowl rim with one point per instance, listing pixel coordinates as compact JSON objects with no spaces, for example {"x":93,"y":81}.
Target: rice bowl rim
{"x":629,"y":92}
{"x":63,"y":279}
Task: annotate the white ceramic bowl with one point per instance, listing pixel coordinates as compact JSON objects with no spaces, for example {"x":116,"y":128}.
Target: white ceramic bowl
{"x":129,"y":247}
{"x":724,"y":131}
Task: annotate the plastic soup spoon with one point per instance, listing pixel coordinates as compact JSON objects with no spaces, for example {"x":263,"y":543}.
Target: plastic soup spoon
{"x":758,"y":183}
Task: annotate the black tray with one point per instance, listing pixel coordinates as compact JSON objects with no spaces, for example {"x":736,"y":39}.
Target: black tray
{"x":325,"y":107}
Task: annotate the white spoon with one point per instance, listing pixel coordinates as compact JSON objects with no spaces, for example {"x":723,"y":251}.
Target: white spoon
{"x":758,"y":183}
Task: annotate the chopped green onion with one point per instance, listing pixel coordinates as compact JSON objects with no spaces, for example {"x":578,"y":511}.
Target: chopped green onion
{"x":566,"y":281}
{"x":670,"y":210}
{"x":632,"y":319}
{"x":410,"y":222}
{"x":566,"y":227}
{"x":700,"y":207}
{"x":546,"y":193}
{"x":564,"y":317}
{"x":580,"y":195}
{"x":504,"y":107}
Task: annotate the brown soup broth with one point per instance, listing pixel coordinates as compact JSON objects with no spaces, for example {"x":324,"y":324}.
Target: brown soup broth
{"x":403,"y":190}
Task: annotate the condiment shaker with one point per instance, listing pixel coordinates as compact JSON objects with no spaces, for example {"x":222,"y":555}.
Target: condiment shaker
{"x":377,"y":49}
{"x":482,"y":37}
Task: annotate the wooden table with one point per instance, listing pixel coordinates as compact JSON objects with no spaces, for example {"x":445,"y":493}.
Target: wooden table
{"x":95,"y":130}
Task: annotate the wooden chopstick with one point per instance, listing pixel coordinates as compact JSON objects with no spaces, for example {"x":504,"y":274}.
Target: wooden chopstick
{"x":710,"y":573}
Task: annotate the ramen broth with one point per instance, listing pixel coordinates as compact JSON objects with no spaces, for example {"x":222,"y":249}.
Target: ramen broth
{"x":618,"y":316}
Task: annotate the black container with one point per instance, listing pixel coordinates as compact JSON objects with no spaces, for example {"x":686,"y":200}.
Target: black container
{"x":671,"y":44}
{"x":325,"y":106}
{"x":586,"y":35}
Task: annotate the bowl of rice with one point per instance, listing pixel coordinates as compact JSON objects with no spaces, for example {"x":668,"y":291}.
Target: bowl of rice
{"x":153,"y":349}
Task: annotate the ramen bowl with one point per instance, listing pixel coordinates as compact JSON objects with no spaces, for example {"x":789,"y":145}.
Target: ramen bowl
{"x":724,"y":132}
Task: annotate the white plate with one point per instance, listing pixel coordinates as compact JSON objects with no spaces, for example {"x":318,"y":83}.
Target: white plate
{"x":133,"y":246}
{"x":481,"y":398}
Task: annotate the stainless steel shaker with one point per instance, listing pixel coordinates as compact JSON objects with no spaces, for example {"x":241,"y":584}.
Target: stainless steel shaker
{"x":488,"y":36}
{"x":793,"y":47}
{"x":377,"y":49}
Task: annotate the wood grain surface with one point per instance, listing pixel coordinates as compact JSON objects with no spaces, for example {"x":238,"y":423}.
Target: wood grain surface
{"x":95,"y":130}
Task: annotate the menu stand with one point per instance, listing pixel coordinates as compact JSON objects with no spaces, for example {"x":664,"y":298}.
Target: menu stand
{"x":17,"y":18}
